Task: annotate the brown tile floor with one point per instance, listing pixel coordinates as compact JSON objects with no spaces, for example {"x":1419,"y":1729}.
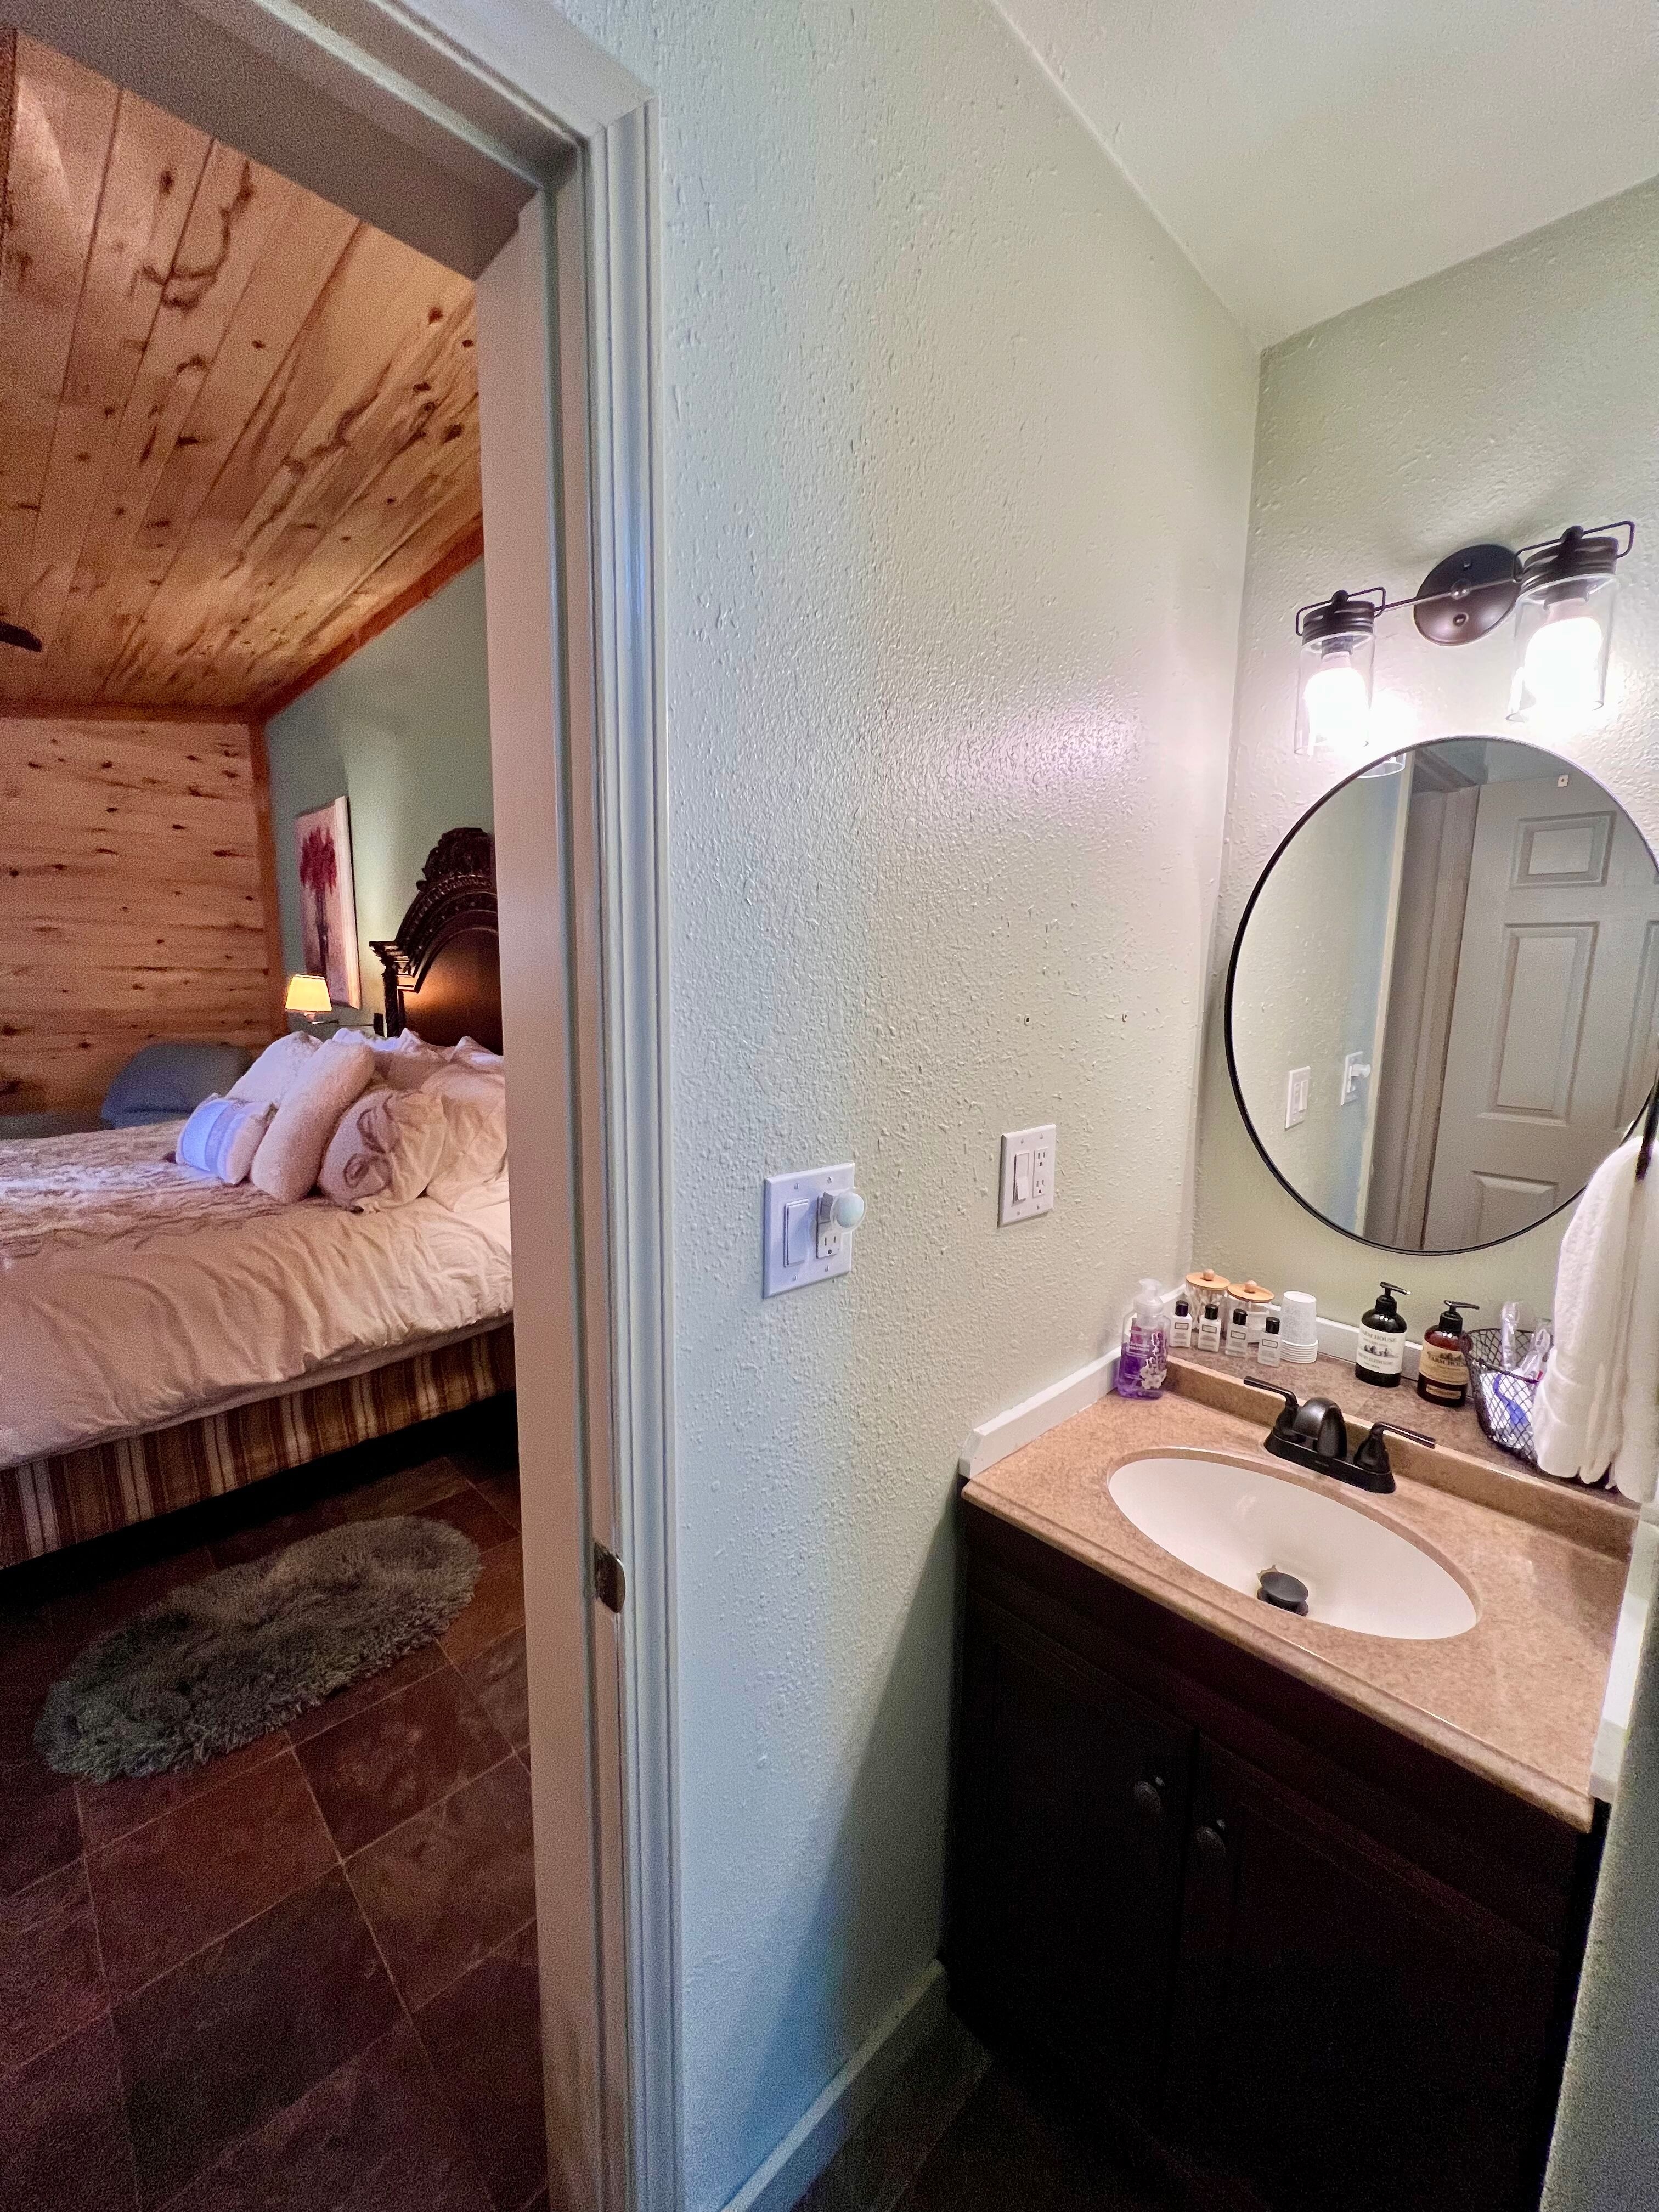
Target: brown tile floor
{"x":303,"y":1977}
{"x":958,"y":2130}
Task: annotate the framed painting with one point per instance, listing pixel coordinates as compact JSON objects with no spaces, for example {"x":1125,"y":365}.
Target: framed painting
{"x":328,"y":903}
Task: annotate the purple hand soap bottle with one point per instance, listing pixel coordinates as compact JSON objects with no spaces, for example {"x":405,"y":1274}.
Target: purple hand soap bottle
{"x":1143,"y":1358}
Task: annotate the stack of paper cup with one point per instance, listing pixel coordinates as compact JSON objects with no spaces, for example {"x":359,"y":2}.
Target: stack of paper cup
{"x":1298,"y":1335}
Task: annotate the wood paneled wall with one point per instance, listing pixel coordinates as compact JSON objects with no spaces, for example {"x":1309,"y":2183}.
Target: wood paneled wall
{"x":137,"y":897}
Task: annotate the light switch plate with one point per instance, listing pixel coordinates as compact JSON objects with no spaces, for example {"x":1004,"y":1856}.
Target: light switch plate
{"x":1028,"y":1174}
{"x":1296,"y":1096}
{"x":785,"y":1232}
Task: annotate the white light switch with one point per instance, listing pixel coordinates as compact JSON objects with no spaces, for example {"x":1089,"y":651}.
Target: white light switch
{"x":1296,"y":1096}
{"x":799,"y":1217}
{"x":1028,"y":1174}
{"x":1355,"y":1073}
{"x":804,"y":1239}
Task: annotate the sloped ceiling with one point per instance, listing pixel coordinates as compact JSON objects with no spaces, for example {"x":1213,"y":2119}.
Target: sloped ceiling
{"x":235,"y":424}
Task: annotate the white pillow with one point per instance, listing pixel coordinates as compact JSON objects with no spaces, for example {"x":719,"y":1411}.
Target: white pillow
{"x":221,"y":1138}
{"x":471,"y":1054}
{"x":287,"y":1163}
{"x":384,"y":1149}
{"x":404,"y":1063}
{"x":275,"y":1071}
{"x":474,"y":1129}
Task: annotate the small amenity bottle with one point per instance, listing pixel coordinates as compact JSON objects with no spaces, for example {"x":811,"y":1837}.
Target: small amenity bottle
{"x":1267,"y":1351}
{"x":1143,"y":1359}
{"x":1209,"y":1325}
{"x":1380,"y":1358}
{"x":1443,"y":1373}
{"x":1180,"y":1322}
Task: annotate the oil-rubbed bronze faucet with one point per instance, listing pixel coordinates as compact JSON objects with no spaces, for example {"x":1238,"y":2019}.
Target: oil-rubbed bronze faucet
{"x":1314,"y":1435}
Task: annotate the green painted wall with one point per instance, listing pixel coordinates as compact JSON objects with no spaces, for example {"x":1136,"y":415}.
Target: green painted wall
{"x":403,"y":728}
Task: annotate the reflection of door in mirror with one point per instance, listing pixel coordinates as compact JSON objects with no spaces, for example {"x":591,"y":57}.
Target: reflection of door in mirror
{"x":1550,"y":1045}
{"x":1443,"y":1009}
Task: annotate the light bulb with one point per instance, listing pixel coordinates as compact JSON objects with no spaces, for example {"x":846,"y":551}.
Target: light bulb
{"x":1336,"y":702}
{"x":1564,"y":656}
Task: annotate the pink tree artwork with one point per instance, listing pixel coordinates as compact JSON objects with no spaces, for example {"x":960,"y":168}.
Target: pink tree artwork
{"x":327,"y":905}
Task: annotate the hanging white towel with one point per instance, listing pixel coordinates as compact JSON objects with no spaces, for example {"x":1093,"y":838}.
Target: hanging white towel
{"x":1578,"y":1410}
{"x":1636,"y":1461}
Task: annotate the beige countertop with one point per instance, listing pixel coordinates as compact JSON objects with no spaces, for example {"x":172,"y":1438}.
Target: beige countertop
{"x":1516,"y":1698}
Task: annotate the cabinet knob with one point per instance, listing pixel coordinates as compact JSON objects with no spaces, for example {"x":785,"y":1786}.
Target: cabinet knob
{"x":1147,"y":1799}
{"x":1210,"y":1842}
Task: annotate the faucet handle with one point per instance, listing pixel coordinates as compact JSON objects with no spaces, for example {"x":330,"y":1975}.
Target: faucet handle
{"x":1292,"y":1404}
{"x":1372,"y":1456}
{"x":1374,"y":1445}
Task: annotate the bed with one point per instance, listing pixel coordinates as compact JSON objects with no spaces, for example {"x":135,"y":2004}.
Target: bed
{"x":164,"y":1339}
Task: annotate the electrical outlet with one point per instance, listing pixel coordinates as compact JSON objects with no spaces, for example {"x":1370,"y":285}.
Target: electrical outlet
{"x":1296,"y":1096}
{"x":1028,"y":1174}
{"x":801,"y":1240}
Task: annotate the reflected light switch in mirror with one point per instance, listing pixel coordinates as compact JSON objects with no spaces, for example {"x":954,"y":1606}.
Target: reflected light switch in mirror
{"x":1296,"y":1096}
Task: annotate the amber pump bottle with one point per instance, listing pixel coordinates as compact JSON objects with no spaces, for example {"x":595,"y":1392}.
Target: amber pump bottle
{"x":1443,"y":1373}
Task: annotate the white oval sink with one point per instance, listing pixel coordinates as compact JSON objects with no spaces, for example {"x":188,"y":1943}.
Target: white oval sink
{"x":1233,"y":1522}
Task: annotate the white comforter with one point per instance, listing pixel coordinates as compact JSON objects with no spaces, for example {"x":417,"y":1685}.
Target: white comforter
{"x":99,"y":1339}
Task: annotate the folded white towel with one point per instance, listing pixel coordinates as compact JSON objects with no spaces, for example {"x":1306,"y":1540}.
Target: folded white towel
{"x":1578,"y":1411}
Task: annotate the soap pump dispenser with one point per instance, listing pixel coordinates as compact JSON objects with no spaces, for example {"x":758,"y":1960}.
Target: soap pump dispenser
{"x":1381,"y":1357}
{"x":1443,"y":1373}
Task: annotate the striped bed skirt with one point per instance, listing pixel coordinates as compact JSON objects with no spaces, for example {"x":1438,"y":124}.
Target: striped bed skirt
{"x":48,"y":1503}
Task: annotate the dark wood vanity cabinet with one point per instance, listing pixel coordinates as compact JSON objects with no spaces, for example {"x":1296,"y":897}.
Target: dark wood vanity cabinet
{"x":1296,"y":1950}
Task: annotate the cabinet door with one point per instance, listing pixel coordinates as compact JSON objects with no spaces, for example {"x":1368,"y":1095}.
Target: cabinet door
{"x":1071,"y":1804}
{"x":1349,"y":2034}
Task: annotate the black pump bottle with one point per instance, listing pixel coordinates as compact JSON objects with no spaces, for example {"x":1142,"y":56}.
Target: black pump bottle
{"x":1380,"y":1358}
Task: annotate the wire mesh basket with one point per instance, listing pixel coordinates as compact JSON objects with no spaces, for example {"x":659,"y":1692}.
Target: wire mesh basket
{"x":1503,"y":1398}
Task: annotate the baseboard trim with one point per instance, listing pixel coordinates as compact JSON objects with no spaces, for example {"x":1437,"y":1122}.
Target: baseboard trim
{"x":796,"y":2164}
{"x":1006,"y":1432}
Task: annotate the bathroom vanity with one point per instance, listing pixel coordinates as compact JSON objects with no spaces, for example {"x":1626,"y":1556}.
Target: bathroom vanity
{"x":1303,"y":1907}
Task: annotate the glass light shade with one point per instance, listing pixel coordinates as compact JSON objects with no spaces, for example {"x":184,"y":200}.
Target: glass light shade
{"x":308,"y":994}
{"x":1563,"y":631}
{"x":1333,"y":697}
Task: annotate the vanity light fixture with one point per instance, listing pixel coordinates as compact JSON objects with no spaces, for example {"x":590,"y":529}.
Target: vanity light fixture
{"x":1563,"y":624}
{"x":1563,"y":588}
{"x":1333,"y":697}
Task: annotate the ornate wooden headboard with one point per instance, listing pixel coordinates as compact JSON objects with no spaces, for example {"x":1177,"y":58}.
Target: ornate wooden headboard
{"x":443,"y":975}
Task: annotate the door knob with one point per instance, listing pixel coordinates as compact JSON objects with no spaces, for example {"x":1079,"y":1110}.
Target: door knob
{"x":1147,"y":1799}
{"x":1210,"y":1842}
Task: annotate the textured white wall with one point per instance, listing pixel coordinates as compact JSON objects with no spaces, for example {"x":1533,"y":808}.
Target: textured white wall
{"x":1503,"y":399}
{"x":957,"y":466}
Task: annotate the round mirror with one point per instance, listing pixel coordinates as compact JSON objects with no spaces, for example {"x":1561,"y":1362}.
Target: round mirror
{"x":1442,"y":1008}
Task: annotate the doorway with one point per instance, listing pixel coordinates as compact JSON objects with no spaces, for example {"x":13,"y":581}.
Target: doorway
{"x":531,"y":173}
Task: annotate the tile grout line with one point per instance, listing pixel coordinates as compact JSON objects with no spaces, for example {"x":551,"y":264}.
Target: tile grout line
{"x":404,"y":2007}
{"x":340,"y":1861}
{"x":247,"y":1921}
{"x":225,"y":1782}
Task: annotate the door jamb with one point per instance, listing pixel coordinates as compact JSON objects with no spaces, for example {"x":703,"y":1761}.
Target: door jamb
{"x":513,"y":83}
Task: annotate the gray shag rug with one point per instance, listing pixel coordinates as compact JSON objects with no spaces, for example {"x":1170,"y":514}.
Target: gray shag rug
{"x":226,"y":1660}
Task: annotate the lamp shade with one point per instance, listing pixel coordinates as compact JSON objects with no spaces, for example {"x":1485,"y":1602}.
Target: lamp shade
{"x":308,"y":994}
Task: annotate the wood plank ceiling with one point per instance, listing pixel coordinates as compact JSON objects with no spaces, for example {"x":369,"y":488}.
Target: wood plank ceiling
{"x":235,"y":424}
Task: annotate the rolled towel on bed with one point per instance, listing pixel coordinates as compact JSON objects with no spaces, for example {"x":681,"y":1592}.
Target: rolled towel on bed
{"x":221,"y":1138}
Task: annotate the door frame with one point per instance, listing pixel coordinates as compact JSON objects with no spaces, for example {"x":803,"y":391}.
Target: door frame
{"x":462,"y":112}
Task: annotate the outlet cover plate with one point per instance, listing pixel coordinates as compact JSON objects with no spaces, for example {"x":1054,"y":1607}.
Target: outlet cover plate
{"x":1028,"y":1174}
{"x":783,"y":1193}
